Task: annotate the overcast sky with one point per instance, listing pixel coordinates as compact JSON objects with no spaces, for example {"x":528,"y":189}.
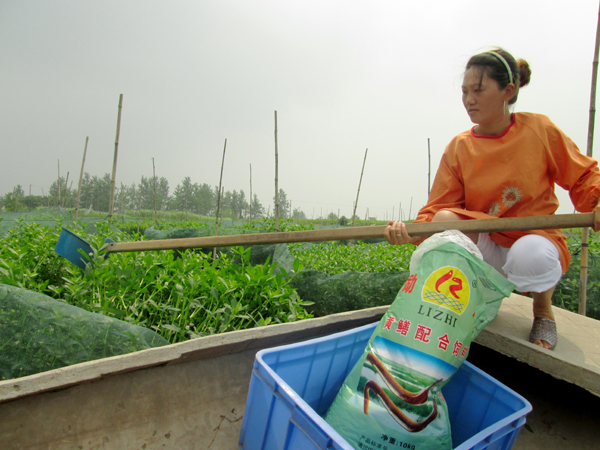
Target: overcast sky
{"x":343,"y":76}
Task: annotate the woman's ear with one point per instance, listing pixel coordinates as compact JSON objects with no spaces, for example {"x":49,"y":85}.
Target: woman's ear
{"x":509,"y":91}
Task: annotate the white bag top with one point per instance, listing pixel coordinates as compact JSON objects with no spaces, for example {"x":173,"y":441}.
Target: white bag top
{"x":439,"y":239}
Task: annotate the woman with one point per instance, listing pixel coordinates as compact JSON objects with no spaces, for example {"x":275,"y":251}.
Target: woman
{"x":506,"y":166}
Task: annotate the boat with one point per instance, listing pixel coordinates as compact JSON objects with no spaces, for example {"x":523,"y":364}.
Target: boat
{"x":192,"y":395}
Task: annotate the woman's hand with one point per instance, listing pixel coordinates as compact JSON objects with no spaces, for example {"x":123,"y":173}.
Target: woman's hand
{"x":396,"y":234}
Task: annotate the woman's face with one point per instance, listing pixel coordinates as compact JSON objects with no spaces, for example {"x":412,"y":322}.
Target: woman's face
{"x":484,"y":101}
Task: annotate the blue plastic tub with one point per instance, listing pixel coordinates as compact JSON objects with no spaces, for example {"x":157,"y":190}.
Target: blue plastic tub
{"x":293,"y":385}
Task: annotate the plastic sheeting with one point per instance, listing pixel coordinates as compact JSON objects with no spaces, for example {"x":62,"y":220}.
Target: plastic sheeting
{"x":38,"y":333}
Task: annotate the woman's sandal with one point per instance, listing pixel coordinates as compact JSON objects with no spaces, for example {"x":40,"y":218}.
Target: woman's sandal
{"x":544,"y":330}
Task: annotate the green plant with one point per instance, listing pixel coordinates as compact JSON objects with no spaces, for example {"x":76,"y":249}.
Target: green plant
{"x":566,"y":295}
{"x":179,"y":297}
{"x":337,"y":257}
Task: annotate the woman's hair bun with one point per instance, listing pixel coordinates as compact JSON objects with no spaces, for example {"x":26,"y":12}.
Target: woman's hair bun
{"x":524,"y":72}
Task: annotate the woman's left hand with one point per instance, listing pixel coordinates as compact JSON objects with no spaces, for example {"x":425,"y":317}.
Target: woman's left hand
{"x":597,"y":217}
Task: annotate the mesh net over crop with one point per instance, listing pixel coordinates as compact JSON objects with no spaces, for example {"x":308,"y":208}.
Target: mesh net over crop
{"x":38,"y":333}
{"x":347,"y":291}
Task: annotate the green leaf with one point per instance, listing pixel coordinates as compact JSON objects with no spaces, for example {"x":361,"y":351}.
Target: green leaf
{"x":174,"y":328}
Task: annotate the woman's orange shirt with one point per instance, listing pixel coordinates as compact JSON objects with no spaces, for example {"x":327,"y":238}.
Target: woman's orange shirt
{"x":514,"y":175}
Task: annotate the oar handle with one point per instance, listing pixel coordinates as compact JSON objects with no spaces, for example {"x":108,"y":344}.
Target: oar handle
{"x":368,"y":232}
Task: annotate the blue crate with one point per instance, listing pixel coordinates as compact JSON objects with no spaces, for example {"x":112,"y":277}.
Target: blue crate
{"x":292,"y":386}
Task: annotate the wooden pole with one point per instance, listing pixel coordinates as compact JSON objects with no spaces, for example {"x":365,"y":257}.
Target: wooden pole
{"x":590,"y":143}
{"x":359,"y":183}
{"x":554,"y":221}
{"x":81,"y":177}
{"x":250,"y":193}
{"x":428,"y":169}
{"x":219,"y":197}
{"x":122,"y":200}
{"x":276,"y":180}
{"x":154,"y":179}
{"x":58,"y":184}
{"x":66,"y":190}
{"x":111,"y":205}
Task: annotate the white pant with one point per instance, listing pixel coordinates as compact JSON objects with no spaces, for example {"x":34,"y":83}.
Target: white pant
{"x":532,"y":263}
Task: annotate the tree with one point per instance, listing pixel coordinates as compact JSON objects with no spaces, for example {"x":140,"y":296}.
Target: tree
{"x":258,"y":211}
{"x":101,"y":192}
{"x":33,"y":201}
{"x":205,"y":200}
{"x":66,"y":194}
{"x":298,"y":214}
{"x":86,"y":194}
{"x":13,"y":201}
{"x":332,"y":216}
{"x":237,"y":203}
{"x":184,"y":196}
{"x":284,"y":205}
{"x":162,"y":193}
{"x":145,"y":193}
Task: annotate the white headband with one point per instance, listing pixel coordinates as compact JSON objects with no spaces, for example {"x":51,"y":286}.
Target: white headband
{"x":501,"y":58}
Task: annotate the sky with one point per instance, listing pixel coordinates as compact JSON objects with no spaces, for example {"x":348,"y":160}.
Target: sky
{"x":343,"y":76}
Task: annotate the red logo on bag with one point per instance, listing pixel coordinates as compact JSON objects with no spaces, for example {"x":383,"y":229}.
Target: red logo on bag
{"x":447,"y":287}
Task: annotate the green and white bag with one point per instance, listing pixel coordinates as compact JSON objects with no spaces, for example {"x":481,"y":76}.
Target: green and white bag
{"x":392,"y":398}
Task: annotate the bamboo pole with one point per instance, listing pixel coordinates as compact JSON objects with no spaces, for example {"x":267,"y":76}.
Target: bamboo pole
{"x":276,"y":179}
{"x":359,"y":183}
{"x":111,"y":205}
{"x":154,"y":179}
{"x":250,"y":193}
{"x":365,"y":232}
{"x":428,"y":169}
{"x":66,"y":190}
{"x":58,"y":184}
{"x":81,"y":177}
{"x":590,"y":143}
{"x":219,"y":197}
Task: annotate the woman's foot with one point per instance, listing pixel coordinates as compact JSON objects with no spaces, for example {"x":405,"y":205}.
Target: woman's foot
{"x":543,"y":331}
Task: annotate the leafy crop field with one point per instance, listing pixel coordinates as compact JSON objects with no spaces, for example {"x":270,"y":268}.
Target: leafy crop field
{"x":182,"y":296}
{"x":179,"y":297}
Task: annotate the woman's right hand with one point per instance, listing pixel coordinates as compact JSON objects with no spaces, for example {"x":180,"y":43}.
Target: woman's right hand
{"x":396,"y":234}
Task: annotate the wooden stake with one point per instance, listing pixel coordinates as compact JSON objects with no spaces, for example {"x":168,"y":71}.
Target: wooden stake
{"x":276,"y":180}
{"x":81,"y":177}
{"x":66,"y":190}
{"x":58,"y":184}
{"x":154,"y":179}
{"x":585,"y":231}
{"x":428,"y":169}
{"x":359,"y":183}
{"x":219,"y":198}
{"x":114,"y":170}
{"x":250,"y":193}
